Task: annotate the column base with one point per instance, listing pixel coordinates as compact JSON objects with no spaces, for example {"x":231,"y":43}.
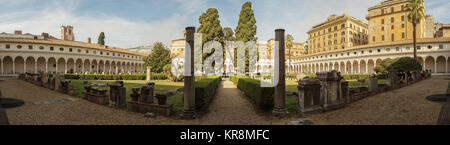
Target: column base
{"x":280,"y":112}
{"x":188,"y":114}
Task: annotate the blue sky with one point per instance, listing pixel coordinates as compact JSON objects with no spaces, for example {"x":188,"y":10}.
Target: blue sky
{"x":131,"y":23}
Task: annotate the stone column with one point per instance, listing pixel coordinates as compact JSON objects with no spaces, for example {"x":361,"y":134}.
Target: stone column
{"x":373,"y":85}
{"x":46,"y":66}
{"x":2,"y":66}
{"x":14,"y":67}
{"x":65,"y":67}
{"x":35,"y":67}
{"x":189,"y":80}
{"x":25,"y":66}
{"x":149,"y":73}
{"x":280,"y":89}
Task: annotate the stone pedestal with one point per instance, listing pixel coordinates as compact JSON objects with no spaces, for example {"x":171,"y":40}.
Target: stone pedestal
{"x":331,"y":90}
{"x":189,"y":78}
{"x":394,"y":81}
{"x":117,"y":95}
{"x":309,"y":96}
{"x":280,"y":89}
{"x":345,"y":91}
{"x":147,"y":93}
{"x":373,"y":85}
{"x":140,"y":107}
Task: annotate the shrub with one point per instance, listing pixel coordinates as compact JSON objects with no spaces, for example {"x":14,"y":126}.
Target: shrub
{"x":205,"y":90}
{"x":291,"y":76}
{"x":114,"y":77}
{"x":405,"y":64}
{"x":261,"y":97}
{"x":382,"y":68}
{"x":355,"y":76}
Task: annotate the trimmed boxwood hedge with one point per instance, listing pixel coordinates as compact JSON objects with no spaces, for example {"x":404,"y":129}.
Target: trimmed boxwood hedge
{"x":263,"y":98}
{"x":205,"y":90}
{"x":155,"y":76}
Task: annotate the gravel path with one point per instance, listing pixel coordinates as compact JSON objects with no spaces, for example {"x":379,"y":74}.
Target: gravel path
{"x":231,"y":107}
{"x":405,"y":106}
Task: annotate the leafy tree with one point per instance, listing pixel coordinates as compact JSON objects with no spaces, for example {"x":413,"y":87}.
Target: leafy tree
{"x":101,"y":38}
{"x":382,"y":68}
{"x":228,"y":34}
{"x":405,"y":64}
{"x":246,"y":29}
{"x":289,"y":45}
{"x":415,"y":15}
{"x":211,"y":29}
{"x":158,"y":58}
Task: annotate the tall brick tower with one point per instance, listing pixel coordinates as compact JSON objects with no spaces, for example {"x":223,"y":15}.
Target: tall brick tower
{"x":67,"y":33}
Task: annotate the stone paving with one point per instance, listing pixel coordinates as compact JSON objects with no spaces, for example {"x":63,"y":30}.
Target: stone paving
{"x":403,"y":106}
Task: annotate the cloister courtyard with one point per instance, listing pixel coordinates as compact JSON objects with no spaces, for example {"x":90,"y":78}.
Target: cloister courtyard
{"x":229,"y":106}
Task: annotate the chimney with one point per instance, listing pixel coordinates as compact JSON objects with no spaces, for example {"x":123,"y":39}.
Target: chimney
{"x":89,"y":40}
{"x":45,"y":35}
{"x":18,"y":32}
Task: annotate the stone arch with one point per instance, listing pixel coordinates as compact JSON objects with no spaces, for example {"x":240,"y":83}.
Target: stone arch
{"x":348,"y":68}
{"x":355,"y":67}
{"x":330,"y":66}
{"x":51,"y":62}
{"x":101,"y":67}
{"x":336,"y":66}
{"x":79,"y":66}
{"x":342,"y":68}
{"x":107,"y":67}
{"x":70,"y":66}
{"x":61,"y":65}
{"x":371,"y":66}
{"x":87,"y":66}
{"x":128,"y":67}
{"x":429,"y":63}
{"x":41,"y":65}
{"x":19,"y":64}
{"x":440,"y":64}
{"x":362,"y":66}
{"x":8,"y":65}
{"x":420,"y":60}
{"x":378,"y":62}
{"x":30,"y":64}
{"x":448,"y":65}
{"x":317,"y":67}
{"x":94,"y":67}
{"x":321,"y":67}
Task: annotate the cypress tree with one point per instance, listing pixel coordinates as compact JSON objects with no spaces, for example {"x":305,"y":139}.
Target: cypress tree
{"x":246,"y":29}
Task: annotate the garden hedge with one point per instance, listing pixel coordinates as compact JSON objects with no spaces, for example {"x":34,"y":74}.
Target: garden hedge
{"x":205,"y":90}
{"x":155,"y":76}
{"x":263,"y":98}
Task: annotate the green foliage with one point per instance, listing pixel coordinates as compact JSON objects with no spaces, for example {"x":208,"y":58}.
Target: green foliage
{"x":382,"y":68}
{"x":158,"y":58}
{"x":228,"y":34}
{"x":211,"y":29}
{"x":309,"y":74}
{"x":205,"y":90}
{"x":416,"y":10}
{"x":289,"y":44}
{"x":355,"y":76}
{"x":405,"y":64}
{"x":291,"y":76}
{"x":261,"y":97}
{"x":246,"y":30}
{"x":155,"y":76}
{"x":101,"y":38}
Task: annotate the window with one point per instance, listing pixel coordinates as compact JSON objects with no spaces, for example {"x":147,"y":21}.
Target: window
{"x":403,"y":34}
{"x":101,"y":52}
{"x":61,"y":49}
{"x":373,"y":38}
{"x":379,"y":50}
{"x":382,"y":21}
{"x":87,"y":51}
{"x":70,"y":49}
{"x":41,"y":47}
{"x":79,"y":50}
{"x":407,"y":48}
{"x":351,"y":25}
{"x":392,"y":37}
{"x":388,"y":49}
{"x":382,"y":37}
{"x":107,"y":53}
{"x":382,"y":28}
{"x":429,"y":46}
{"x":392,"y":9}
{"x":403,"y":18}
{"x":343,"y":33}
{"x":329,"y":29}
{"x":382,"y":11}
{"x":95,"y":52}
{"x":403,"y":7}
{"x":370,"y":51}
{"x":362,"y":52}
{"x":335,"y":28}
{"x":52,"y":48}
{"x":30,"y":47}
{"x":441,"y":46}
{"x":19,"y":46}
{"x":392,"y":27}
{"x":8,"y":46}
{"x":342,"y":26}
{"x":418,"y":47}
{"x":403,"y":25}
{"x":397,"y":49}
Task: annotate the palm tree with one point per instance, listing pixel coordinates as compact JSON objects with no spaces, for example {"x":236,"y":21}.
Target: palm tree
{"x":415,"y":15}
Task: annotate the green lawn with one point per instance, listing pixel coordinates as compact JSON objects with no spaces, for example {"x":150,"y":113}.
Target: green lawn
{"x":161,"y":86}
